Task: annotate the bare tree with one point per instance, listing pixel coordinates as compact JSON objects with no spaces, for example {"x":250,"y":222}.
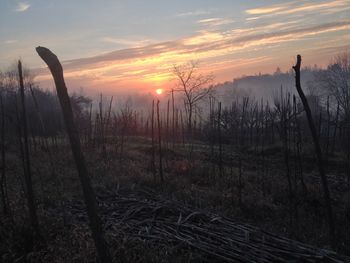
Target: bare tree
{"x":194,"y":86}
{"x":336,"y":82}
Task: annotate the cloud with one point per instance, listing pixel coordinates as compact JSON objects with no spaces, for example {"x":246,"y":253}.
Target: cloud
{"x":204,"y":38}
{"x":10,"y":41}
{"x":194,"y":13}
{"x":313,"y":7}
{"x":151,"y":63}
{"x":294,"y":7}
{"x":126,"y":42}
{"x":253,"y":18}
{"x":296,"y":33}
{"x":264,"y":10}
{"x":125,"y":54}
{"x":205,"y":44}
{"x":215,"y":21}
{"x":21,"y":7}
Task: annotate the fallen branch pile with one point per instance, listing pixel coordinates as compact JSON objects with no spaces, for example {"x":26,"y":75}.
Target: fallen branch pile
{"x":143,"y":216}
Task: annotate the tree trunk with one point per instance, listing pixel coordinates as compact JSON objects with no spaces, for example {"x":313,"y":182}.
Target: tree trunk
{"x":318,"y":151}
{"x":95,"y":223}
{"x":190,"y":111}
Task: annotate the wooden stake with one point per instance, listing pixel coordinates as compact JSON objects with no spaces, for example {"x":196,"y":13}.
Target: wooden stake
{"x":28,"y":174}
{"x":160,"y":146}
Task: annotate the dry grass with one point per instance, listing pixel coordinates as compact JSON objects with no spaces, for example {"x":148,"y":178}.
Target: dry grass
{"x":194,"y":182}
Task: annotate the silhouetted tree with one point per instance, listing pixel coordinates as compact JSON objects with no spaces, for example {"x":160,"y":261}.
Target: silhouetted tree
{"x":335,"y":80}
{"x":318,"y":151}
{"x":194,"y":86}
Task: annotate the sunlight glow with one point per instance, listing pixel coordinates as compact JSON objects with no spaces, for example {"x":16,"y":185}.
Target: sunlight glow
{"x":159,"y":91}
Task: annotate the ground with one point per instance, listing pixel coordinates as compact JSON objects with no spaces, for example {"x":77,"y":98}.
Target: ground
{"x":192,"y":181}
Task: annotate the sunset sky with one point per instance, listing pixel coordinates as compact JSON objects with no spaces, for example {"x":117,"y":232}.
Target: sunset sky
{"x":117,"y":46}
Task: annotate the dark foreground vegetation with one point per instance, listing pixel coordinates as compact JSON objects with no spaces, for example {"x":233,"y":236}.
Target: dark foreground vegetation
{"x":174,"y":182}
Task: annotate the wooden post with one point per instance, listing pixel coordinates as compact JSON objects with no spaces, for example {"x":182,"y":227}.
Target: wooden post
{"x":160,"y":145}
{"x":173,"y":120}
{"x":90,"y":125}
{"x":44,"y":130}
{"x":3,"y":183}
{"x":220,"y":142}
{"x":167,"y":125}
{"x":318,"y":151}
{"x":153,"y":146}
{"x":182,"y":128}
{"x":326,"y":149}
{"x":335,"y":129}
{"x":95,"y":223}
{"x":28,"y":174}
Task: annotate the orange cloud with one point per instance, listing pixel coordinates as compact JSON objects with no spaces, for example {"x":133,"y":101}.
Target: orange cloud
{"x":151,"y":65}
{"x":298,"y":7}
{"x":264,"y":10}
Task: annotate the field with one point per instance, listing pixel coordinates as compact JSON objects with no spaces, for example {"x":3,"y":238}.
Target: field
{"x":248,"y":181}
{"x":191,"y":178}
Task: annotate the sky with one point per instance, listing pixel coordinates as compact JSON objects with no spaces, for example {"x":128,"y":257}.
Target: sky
{"x":114,"y":46}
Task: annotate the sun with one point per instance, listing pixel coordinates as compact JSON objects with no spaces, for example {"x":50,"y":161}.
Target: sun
{"x":159,"y":91}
